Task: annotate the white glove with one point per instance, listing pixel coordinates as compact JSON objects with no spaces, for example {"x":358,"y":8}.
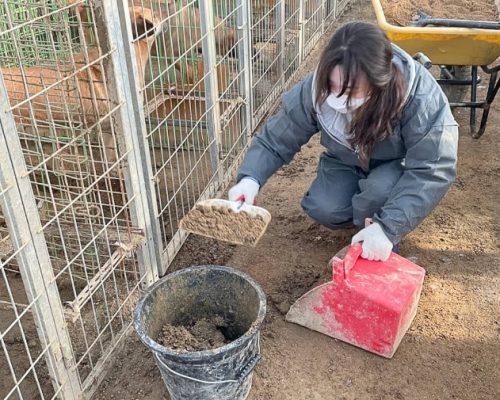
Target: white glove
{"x":376,"y":245}
{"x":245,"y":190}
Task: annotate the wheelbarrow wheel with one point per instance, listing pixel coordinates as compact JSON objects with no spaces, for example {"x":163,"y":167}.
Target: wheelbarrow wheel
{"x":456,"y":93}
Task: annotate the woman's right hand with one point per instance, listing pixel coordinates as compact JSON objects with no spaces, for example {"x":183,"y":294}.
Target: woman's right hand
{"x":376,"y":244}
{"x":245,"y":190}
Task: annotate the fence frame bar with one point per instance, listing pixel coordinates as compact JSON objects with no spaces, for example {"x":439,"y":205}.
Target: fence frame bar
{"x":211,"y":85}
{"x":113,"y":26}
{"x":28,"y":239}
{"x":245,"y":62}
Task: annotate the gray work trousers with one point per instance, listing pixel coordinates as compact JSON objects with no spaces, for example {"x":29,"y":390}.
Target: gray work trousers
{"x":344,"y":195}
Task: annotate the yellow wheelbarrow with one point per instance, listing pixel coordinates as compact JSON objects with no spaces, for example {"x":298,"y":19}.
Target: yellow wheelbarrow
{"x":459,"y":47}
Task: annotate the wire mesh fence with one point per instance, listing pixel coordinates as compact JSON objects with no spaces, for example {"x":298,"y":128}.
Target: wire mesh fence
{"x":314,"y":14}
{"x":340,"y":7}
{"x":116,"y":118}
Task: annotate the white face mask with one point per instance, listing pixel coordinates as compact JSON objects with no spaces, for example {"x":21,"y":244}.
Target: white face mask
{"x":339,"y":104}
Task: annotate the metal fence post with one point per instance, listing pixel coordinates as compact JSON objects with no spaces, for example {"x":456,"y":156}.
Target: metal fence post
{"x":302,"y":27}
{"x":21,"y":215}
{"x":113,"y":26}
{"x":249,"y":37}
{"x":333,"y":10}
{"x":211,"y":84}
{"x":323,"y":15}
{"x":245,"y":63}
{"x":281,"y":38}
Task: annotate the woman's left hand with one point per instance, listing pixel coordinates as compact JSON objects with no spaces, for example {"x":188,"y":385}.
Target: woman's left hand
{"x":376,"y":245}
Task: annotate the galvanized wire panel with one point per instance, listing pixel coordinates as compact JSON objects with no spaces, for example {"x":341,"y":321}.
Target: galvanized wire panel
{"x":233,"y":80}
{"x":330,"y":6}
{"x":65,"y":111}
{"x":29,"y":301}
{"x":23,"y":364}
{"x":191,"y":95}
{"x":34,"y":40}
{"x":341,"y":6}
{"x":314,"y":16}
{"x":291,"y":46}
{"x":24,"y":368}
{"x":176,"y":116}
{"x":266,"y":23}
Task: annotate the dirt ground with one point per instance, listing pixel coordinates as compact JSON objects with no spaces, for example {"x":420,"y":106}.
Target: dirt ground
{"x":452,"y":350}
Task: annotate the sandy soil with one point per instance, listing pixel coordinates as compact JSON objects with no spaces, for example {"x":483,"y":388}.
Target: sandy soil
{"x":205,"y":334}
{"x":224,"y":224}
{"x":452,"y":350}
{"x":403,"y":12}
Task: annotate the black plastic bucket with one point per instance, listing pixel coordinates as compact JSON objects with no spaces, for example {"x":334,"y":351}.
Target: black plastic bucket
{"x":186,"y":296}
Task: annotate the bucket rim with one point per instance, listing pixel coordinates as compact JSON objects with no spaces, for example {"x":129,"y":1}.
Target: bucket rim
{"x":199,"y":355}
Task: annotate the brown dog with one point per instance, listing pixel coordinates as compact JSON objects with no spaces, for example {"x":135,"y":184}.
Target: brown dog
{"x":183,"y":35}
{"x":183,"y":23}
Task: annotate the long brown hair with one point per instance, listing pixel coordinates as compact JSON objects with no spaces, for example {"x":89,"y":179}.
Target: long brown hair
{"x":361,"y":47}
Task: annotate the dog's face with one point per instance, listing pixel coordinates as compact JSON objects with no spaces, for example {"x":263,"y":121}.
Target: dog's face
{"x":144,"y":24}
